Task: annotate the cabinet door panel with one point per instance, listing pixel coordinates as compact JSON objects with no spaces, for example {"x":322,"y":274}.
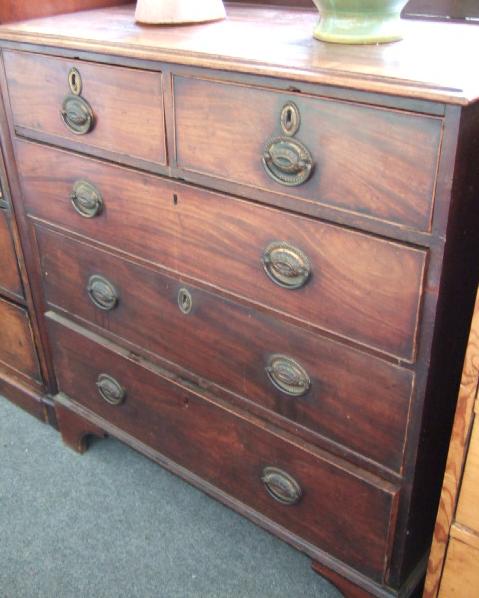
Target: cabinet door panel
{"x":9,"y":275}
{"x":17,"y":347}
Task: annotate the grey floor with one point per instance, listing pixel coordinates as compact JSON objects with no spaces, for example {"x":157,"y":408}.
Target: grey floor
{"x":113,"y":524}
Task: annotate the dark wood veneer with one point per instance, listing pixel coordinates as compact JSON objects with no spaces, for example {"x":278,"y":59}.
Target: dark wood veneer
{"x":17,"y":347}
{"x":375,"y":162}
{"x":231,"y":451}
{"x":363,"y":288}
{"x":10,"y":281}
{"x":356,"y":400}
{"x":38,"y":85}
{"x":394,"y":264}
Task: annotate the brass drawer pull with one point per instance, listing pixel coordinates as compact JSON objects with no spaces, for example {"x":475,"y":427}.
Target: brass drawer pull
{"x":287,"y":161}
{"x":102,"y":293}
{"x":86,"y":199}
{"x":288,"y":376}
{"x":77,"y":115}
{"x":281,"y":486}
{"x":110,"y":389}
{"x":286,"y":265}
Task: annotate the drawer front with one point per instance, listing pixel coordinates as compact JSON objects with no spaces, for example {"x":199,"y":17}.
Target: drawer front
{"x":9,"y":275}
{"x":351,"y":284}
{"x":126,"y":106}
{"x":468,"y":507}
{"x":340,"y":511}
{"x":17,"y":348}
{"x":374,"y":162}
{"x":289,"y":371}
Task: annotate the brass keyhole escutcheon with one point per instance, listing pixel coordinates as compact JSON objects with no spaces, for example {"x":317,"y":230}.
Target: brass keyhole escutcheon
{"x":185,"y":301}
{"x":290,"y":119}
{"x":74,"y":81}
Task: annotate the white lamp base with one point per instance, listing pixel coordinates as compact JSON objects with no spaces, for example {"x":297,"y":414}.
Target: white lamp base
{"x":179,"y":11}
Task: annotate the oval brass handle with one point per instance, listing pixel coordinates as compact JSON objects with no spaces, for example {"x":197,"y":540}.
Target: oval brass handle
{"x":86,"y":199}
{"x":281,"y":486}
{"x":110,"y":389}
{"x":288,"y":376}
{"x":102,"y":293}
{"x":286,"y":265}
{"x":287,"y":161}
{"x":77,"y":115}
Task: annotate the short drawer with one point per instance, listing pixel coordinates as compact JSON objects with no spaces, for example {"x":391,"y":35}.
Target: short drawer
{"x":360,"y":287}
{"x":9,"y":276}
{"x":293,"y":373}
{"x":17,"y":347}
{"x":87,"y":106}
{"x":346,"y":512}
{"x":374,"y":162}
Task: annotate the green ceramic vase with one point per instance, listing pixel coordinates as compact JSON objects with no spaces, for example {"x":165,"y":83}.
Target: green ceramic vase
{"x":359,"y":21}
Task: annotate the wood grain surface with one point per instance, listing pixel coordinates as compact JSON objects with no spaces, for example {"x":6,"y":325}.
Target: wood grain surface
{"x":18,"y":10}
{"x":17,"y":347}
{"x":9,"y":275}
{"x":231,"y":451}
{"x":467,"y":513}
{"x":127,"y":104}
{"x":285,"y":48}
{"x":456,"y":458}
{"x":363,"y":288}
{"x":385,"y":168}
{"x":356,"y":400}
{"x":461,"y":571}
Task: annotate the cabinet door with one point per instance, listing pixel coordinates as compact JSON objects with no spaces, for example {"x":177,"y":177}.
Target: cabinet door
{"x":9,"y":275}
{"x":17,"y":346}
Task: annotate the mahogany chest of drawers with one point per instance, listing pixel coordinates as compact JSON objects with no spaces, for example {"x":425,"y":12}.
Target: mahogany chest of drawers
{"x":253,"y":263}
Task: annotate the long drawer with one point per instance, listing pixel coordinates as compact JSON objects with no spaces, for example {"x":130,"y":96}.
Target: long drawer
{"x":354,"y":399}
{"x":17,"y":346}
{"x":9,"y":276}
{"x":370,"y":161}
{"x":344,"y":511}
{"x":360,"y":287}
{"x":88,"y":106}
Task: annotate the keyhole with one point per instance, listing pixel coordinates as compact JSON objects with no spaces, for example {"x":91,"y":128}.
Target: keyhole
{"x":185,"y":301}
{"x":74,"y":81}
{"x":289,"y":118}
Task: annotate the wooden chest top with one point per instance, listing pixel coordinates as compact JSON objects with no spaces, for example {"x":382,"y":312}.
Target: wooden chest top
{"x":435,"y":61}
